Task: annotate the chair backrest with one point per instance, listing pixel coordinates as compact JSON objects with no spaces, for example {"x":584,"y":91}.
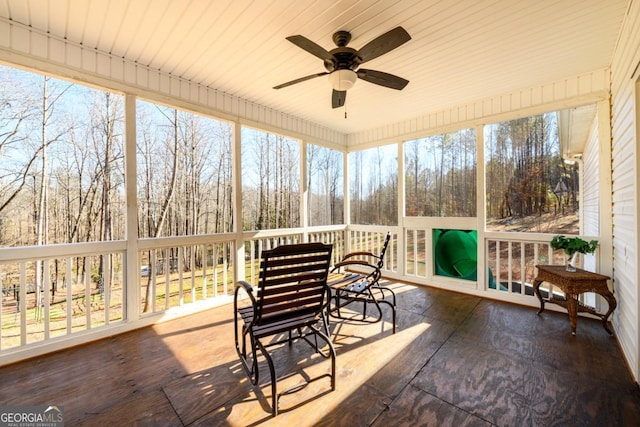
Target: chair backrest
{"x":383,"y":251}
{"x":292,"y":282}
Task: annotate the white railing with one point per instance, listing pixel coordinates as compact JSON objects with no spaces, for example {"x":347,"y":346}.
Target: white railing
{"x":83,"y":287}
{"x":256,"y":242}
{"x":59,"y":290}
{"x":371,"y":239}
{"x":511,"y":259}
{"x":179,"y":271}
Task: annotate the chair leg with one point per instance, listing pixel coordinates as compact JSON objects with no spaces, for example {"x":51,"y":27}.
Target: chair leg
{"x":272,"y":371}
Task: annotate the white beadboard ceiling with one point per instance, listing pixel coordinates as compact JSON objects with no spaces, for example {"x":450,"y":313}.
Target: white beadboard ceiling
{"x":461,"y":51}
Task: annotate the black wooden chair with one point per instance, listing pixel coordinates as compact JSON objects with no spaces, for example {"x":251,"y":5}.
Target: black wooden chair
{"x":291,"y":297}
{"x":356,"y":279}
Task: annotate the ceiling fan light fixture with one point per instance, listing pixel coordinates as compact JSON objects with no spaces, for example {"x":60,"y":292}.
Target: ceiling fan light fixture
{"x":342,"y":80}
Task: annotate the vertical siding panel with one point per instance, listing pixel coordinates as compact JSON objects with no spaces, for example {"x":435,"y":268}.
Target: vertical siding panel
{"x":165,"y":83}
{"x":584,"y":84}
{"x":174,"y":87}
{"x":39,"y":45}
{"x":154,"y":80}
{"x":590,"y":187}
{"x":203,"y":95}
{"x":130,"y":72}
{"x":89,"y":60}
{"x":185,"y":89}
{"x":103,"y":64}
{"x":571,"y":87}
{"x":73,"y":55}
{"x":194,"y":93}
{"x":525,"y":98}
{"x":117,"y":69}
{"x":19,"y":39}
{"x":57,"y":51}
{"x":625,"y":188}
{"x":142,"y":76}
{"x":547,"y":94}
{"x":559,"y":90}
{"x":505,"y":104}
{"x":5,"y":34}
{"x":218,"y":101}
{"x":536,"y":95}
{"x":516,"y":100}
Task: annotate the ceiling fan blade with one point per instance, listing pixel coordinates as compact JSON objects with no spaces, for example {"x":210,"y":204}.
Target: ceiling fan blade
{"x":382,"y":79}
{"x":383,"y":44}
{"x":301,"y":79}
{"x":338,"y":97}
{"x":304,"y":43}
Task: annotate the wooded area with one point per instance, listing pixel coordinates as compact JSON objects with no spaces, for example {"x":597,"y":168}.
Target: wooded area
{"x":325,"y":186}
{"x":270,"y":181}
{"x":62,"y":171}
{"x":440,"y":175}
{"x":373,"y":185}
{"x":526,"y":176}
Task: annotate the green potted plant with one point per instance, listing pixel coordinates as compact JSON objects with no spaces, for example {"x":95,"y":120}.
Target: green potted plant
{"x":572,"y":246}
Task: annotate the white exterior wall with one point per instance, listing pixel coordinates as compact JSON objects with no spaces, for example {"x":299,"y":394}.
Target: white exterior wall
{"x":589,"y":191}
{"x":625,"y":90}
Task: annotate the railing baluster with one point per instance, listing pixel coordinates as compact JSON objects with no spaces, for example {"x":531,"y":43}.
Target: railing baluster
{"x":87,"y":293}
{"x":192,"y":261}
{"x":153,"y":261}
{"x":523,"y":268}
{"x":69,"y":294}
{"x":167,"y":277}
{"x":105,"y":294}
{"x":46,"y":299}
{"x":22,"y":305}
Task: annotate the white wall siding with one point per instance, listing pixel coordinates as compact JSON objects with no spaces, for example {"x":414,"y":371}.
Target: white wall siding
{"x":590,"y":188}
{"x":21,"y":45}
{"x":625,"y":186}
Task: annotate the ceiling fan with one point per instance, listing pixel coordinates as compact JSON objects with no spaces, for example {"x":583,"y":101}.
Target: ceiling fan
{"x":342,"y":62}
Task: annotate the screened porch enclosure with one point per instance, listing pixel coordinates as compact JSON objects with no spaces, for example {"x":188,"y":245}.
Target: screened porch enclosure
{"x":143,"y":211}
{"x":146,"y":159}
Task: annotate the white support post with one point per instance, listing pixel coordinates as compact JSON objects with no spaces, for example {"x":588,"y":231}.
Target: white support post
{"x":401,"y":247}
{"x":482,"y":280}
{"x":346,"y":200}
{"x":132,"y":284}
{"x":236,"y":154}
{"x":304,"y":192}
{"x":606,"y":201}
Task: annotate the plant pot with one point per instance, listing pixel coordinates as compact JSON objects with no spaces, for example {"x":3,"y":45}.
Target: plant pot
{"x":571,"y":261}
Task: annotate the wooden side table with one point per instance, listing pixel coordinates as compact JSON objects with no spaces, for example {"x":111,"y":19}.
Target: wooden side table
{"x":573,"y":284}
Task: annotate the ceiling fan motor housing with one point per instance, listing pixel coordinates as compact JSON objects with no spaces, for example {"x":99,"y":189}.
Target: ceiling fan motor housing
{"x":343,"y":58}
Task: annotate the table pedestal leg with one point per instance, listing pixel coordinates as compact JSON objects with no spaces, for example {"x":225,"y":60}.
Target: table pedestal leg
{"x":536,"y":290}
{"x":572,"y":308}
{"x":611,"y":301}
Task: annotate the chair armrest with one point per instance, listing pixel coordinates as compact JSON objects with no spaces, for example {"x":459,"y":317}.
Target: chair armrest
{"x":245,"y":285}
{"x":248,"y":289}
{"x":346,"y":263}
{"x":359,"y":254}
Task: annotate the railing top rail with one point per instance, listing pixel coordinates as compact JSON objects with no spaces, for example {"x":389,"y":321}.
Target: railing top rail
{"x":26,"y":253}
{"x":526,"y":236}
